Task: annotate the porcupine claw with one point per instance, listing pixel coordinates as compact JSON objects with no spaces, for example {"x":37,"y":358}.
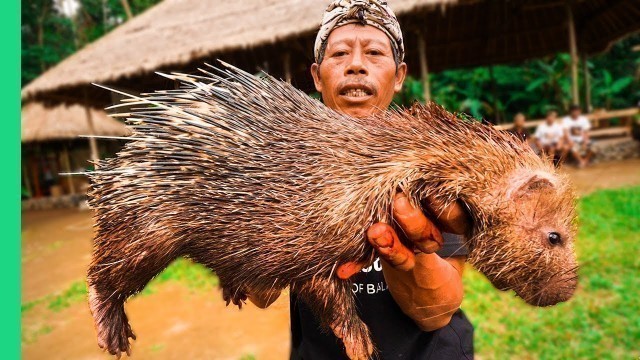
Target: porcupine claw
{"x":235,"y":295}
{"x":356,"y":340}
{"x":112,"y":326}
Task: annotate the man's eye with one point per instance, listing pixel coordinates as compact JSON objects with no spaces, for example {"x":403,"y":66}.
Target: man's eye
{"x":339,"y":53}
{"x":374,"y":52}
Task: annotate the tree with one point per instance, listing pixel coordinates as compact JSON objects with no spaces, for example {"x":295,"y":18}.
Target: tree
{"x":49,"y":36}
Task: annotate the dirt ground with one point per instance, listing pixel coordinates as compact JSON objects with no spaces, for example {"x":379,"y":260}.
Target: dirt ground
{"x":175,"y":322}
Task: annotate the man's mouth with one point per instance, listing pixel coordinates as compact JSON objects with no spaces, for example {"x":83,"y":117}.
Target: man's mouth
{"x":355,"y":93}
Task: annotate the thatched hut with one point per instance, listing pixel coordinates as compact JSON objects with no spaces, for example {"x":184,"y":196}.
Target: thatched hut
{"x":52,"y":144}
{"x":278,"y":37}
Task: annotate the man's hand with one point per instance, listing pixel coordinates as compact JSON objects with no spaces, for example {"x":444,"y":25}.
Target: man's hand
{"x":420,"y":232}
{"x":426,"y":287}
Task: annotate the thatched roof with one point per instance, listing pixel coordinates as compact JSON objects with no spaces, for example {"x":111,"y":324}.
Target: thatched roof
{"x":485,"y":32}
{"x":175,"y":32}
{"x":178,"y":35}
{"x":66,"y":122}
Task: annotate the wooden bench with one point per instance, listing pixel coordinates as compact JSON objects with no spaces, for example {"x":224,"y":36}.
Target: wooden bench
{"x":617,"y":131}
{"x":598,"y":129}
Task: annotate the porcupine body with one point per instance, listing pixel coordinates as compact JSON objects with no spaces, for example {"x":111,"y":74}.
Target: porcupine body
{"x":269,"y":188}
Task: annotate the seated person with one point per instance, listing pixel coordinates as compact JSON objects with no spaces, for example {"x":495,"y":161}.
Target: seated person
{"x":576,"y":133}
{"x":518,"y":129}
{"x":549,"y":138}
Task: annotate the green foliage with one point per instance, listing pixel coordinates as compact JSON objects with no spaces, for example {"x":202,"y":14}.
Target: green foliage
{"x":75,"y":293}
{"x":600,"y":322}
{"x":498,"y":92}
{"x":30,"y":336}
{"x":607,"y":89}
{"x":48,"y":37}
{"x":193,"y":275}
{"x":156,"y":347}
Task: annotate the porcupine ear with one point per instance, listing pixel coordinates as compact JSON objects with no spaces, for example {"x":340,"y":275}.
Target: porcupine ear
{"x":525,"y":184}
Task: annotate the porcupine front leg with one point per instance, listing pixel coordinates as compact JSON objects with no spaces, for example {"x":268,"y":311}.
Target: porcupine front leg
{"x":122,"y":265}
{"x":333,"y":304}
{"x":233,"y":294}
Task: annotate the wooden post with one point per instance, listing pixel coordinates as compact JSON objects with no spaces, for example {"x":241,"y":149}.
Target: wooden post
{"x":25,"y":177}
{"x":424,"y":69}
{"x":286,"y":61}
{"x":573,"y":48}
{"x":127,"y":8}
{"x":92,"y":141}
{"x":67,"y":166}
{"x":34,"y":162}
{"x":587,"y":84}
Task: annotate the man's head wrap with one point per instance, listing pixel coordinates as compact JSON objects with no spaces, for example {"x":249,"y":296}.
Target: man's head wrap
{"x":365,"y":12}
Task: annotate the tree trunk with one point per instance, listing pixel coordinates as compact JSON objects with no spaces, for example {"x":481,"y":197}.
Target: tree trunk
{"x":41,"y":18}
{"x":127,"y":8}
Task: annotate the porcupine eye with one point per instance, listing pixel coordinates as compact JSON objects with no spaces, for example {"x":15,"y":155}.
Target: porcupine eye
{"x":555,"y":238}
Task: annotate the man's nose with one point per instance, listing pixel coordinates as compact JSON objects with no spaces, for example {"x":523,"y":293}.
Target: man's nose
{"x":356,"y":64}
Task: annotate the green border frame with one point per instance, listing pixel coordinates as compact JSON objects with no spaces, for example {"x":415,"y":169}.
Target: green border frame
{"x":10,"y":180}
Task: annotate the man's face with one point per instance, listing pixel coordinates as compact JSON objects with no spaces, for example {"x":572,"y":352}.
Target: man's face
{"x":575,"y":113}
{"x":358,"y":74}
{"x":519,"y":120}
{"x":551,"y":117}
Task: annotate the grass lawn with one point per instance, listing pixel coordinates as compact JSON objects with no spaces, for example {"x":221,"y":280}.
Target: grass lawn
{"x":602,"y":321}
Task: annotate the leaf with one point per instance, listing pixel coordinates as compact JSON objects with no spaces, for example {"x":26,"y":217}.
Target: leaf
{"x":621,"y":84}
{"x":536,"y":84}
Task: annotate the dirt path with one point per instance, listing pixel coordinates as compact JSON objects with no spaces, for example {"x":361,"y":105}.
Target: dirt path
{"x":174,"y":322}
{"x":56,"y":249}
{"x":605,"y":175}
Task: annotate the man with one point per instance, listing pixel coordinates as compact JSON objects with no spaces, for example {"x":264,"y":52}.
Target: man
{"x":410,"y":300}
{"x":549,"y":137}
{"x":518,"y":129}
{"x":576,"y":129}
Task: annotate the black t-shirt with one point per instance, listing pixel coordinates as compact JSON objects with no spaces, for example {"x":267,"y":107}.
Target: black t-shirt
{"x":395,"y":335}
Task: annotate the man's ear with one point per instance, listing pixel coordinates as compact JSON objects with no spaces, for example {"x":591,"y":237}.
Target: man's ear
{"x":401,"y":74}
{"x":315,"y":73}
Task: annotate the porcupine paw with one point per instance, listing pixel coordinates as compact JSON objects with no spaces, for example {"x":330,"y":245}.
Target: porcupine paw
{"x":356,"y":340}
{"x":113,"y":329}
{"x":234,"y":295}
{"x":116,"y":341}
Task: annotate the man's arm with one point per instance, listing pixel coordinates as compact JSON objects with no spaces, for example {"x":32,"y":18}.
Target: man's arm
{"x":431,"y":292}
{"x":427,"y":287}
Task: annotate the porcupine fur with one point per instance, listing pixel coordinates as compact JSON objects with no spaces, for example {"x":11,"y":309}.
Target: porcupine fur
{"x":270,"y":188}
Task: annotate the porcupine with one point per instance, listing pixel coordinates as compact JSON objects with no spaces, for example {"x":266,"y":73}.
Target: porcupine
{"x":270,"y":188}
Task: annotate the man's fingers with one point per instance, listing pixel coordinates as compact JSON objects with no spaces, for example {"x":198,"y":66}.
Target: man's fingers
{"x":418,"y":229}
{"x":385,"y":240}
{"x":349,"y":269}
{"x":452,"y":218}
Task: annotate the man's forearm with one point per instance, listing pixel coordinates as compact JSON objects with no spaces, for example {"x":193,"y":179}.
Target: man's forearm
{"x":431,"y":292}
